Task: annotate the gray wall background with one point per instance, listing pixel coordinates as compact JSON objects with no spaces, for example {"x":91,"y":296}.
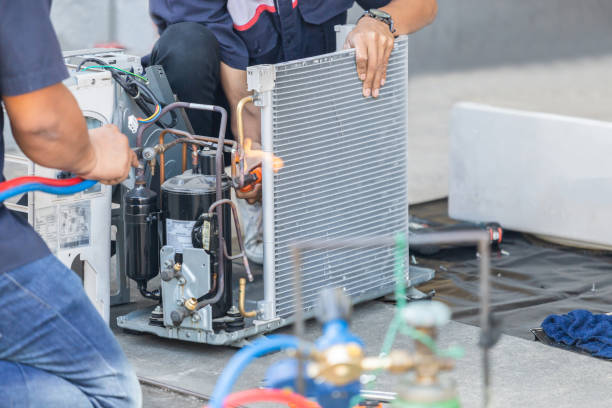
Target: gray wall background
{"x":467,"y":33}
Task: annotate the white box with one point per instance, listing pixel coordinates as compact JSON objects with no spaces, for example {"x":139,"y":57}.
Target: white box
{"x":532,"y":172}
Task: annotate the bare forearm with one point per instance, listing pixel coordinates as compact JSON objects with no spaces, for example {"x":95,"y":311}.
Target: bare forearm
{"x":234,"y":84}
{"x":411,"y":15}
{"x":50,"y":129}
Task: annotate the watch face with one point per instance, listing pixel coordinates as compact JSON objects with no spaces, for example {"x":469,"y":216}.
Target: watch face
{"x":379,"y":13}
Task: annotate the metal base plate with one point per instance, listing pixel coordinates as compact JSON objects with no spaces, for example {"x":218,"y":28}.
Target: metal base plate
{"x":138,"y":321}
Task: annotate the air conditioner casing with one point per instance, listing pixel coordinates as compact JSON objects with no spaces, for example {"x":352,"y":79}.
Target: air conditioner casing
{"x":75,"y":227}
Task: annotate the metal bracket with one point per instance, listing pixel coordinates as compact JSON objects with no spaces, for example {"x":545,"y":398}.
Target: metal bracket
{"x":266,"y":309}
{"x":260,"y":78}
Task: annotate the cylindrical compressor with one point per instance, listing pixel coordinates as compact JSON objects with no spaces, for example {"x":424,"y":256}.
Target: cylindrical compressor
{"x":184,"y":198}
{"x":142,"y":236}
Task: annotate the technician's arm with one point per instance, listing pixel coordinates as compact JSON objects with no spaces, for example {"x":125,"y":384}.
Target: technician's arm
{"x":373,"y":41}
{"x":50,"y":129}
{"x":234,"y":82}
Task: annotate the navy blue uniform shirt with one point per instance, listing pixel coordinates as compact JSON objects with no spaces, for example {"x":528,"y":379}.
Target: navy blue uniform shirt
{"x":30,"y":59}
{"x":261,"y":31}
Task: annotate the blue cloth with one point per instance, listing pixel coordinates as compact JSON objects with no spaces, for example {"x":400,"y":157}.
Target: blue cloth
{"x":583,"y":330}
{"x":55,"y":349}
{"x":253,"y":29}
{"x":30,"y":59}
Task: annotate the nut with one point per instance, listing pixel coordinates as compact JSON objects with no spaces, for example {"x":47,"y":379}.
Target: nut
{"x":190,"y":304}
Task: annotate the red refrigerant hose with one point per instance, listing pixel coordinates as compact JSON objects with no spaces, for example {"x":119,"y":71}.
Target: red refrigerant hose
{"x":42,"y":180}
{"x":268,"y":395}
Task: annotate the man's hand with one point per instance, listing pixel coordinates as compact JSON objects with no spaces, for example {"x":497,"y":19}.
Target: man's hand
{"x":373,"y":40}
{"x":253,"y":156}
{"x":110,"y":157}
{"x":373,"y":43}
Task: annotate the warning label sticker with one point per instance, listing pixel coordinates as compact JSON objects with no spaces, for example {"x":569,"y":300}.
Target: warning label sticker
{"x":45,"y":223}
{"x":75,"y":224}
{"x":178,"y":234}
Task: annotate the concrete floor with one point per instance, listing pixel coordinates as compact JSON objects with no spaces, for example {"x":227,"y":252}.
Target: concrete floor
{"x":524,"y":373}
{"x":153,"y":397}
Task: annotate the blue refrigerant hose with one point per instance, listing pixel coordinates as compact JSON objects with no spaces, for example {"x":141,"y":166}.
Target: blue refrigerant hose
{"x":242,"y":359}
{"x":57,"y":190}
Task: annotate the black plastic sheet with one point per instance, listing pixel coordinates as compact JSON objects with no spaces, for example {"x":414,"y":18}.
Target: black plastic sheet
{"x":531,"y":278}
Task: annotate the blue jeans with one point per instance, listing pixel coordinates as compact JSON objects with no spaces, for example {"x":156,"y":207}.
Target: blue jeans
{"x":55,"y":349}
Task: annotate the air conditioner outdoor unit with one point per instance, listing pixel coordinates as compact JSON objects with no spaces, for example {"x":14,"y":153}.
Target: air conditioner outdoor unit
{"x":76,"y":228}
{"x":344,"y":176}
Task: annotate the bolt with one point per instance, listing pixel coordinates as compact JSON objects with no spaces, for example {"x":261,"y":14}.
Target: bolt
{"x":195,"y":317}
{"x":182,"y":281}
{"x":179,"y":302}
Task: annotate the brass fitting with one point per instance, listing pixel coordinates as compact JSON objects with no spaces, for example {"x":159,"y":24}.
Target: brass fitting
{"x":397,"y":362}
{"x":177,"y":267}
{"x":338,"y":365}
{"x":242,"y":295}
{"x":190,"y":304}
{"x":152,"y":165}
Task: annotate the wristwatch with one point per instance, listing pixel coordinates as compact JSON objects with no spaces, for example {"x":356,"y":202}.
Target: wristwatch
{"x":380,"y":16}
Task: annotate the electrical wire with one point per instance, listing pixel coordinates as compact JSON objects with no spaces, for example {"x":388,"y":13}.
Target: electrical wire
{"x":243,"y":358}
{"x":43,"y":180}
{"x":118,"y":69}
{"x":153,"y":117}
{"x":45,"y":188}
{"x":268,"y":395}
{"x":137,"y":90}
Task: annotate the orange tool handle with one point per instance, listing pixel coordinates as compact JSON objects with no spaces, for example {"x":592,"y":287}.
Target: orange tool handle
{"x":253,"y":178}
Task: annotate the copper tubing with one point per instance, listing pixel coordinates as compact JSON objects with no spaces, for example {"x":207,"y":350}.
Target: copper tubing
{"x":140,"y":173}
{"x":162,"y":148}
{"x":162,"y":160}
{"x":242,"y":295}
{"x":213,"y":288}
{"x":140,"y":176}
{"x":182,"y":134}
{"x":241,"y":158}
{"x":242,"y":253}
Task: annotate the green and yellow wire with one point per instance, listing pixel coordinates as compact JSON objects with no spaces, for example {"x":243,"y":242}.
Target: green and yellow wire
{"x":142,"y":78}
